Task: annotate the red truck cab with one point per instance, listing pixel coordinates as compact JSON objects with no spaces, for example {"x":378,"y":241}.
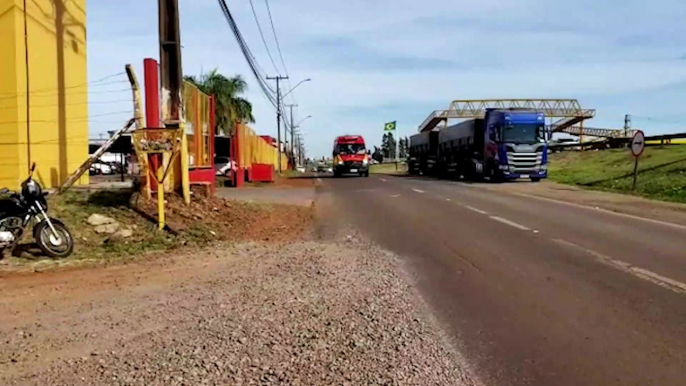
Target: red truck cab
{"x":350,"y":156}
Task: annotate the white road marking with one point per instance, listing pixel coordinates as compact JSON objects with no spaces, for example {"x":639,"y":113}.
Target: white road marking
{"x":638,"y":272}
{"x":418,"y":191}
{"x":650,"y":220}
{"x":319,"y":180}
{"x":447,"y":199}
{"x":473,"y":209}
{"x":383,"y":179}
{"x":395,"y":195}
{"x":510,"y":223}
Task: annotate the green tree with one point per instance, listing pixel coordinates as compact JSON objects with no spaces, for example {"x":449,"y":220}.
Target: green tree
{"x":388,"y":146}
{"x":229,"y":105}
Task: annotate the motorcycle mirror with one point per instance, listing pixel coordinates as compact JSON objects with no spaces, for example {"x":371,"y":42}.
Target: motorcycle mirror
{"x":33,"y":167}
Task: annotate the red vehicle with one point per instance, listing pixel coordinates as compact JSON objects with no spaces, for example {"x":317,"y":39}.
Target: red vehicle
{"x":350,"y":156}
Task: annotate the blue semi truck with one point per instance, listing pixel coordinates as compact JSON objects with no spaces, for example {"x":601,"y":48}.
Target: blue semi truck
{"x":506,"y":144}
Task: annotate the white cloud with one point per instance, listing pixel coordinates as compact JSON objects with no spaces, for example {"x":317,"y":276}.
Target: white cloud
{"x":373,"y":61}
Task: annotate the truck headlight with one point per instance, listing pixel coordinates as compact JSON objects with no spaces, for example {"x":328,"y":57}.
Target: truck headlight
{"x":503,"y":167}
{"x":365,"y":161}
{"x":340,"y":162}
{"x":544,"y":167}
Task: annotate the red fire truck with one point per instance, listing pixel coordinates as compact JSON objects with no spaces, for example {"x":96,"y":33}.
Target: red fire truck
{"x":350,"y":156}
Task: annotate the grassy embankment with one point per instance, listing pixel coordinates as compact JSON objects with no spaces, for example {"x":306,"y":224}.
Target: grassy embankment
{"x":661,"y":171}
{"x":388,"y":168}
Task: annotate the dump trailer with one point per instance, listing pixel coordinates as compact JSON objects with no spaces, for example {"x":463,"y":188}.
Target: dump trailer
{"x":423,"y":153}
{"x":506,"y":144}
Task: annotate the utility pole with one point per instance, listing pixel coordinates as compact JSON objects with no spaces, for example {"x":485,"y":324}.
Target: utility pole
{"x":627,"y":125}
{"x":278,"y":113}
{"x":292,"y":135}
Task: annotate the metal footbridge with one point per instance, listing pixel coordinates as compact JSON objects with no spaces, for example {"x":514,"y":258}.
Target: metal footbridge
{"x":569,"y":113}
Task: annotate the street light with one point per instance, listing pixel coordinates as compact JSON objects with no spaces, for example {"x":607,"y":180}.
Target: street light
{"x":301,"y":121}
{"x":296,"y":86}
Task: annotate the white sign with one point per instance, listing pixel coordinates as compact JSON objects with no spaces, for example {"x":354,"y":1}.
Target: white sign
{"x":638,"y":143}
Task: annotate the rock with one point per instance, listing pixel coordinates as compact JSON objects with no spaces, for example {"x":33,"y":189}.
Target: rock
{"x":107,"y":228}
{"x":123,"y":234}
{"x":98,"y":219}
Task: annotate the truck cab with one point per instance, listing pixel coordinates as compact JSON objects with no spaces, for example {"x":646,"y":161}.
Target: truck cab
{"x":516,"y":143}
{"x":350,"y":156}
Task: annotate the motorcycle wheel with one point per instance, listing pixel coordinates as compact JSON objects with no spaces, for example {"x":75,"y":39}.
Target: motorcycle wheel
{"x":50,"y":245}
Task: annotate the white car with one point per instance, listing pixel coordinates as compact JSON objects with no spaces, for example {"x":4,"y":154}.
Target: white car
{"x":100,"y":168}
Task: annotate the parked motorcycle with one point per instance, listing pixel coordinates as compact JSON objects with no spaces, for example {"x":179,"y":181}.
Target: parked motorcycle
{"x":20,"y":211}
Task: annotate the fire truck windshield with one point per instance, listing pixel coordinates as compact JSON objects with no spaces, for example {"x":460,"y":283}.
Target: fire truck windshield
{"x":351,"y":148}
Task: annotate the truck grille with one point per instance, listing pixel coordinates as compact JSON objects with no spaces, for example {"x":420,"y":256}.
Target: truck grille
{"x":525,"y":162}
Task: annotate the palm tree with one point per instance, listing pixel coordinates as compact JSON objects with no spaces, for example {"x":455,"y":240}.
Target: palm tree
{"x":229,"y":106}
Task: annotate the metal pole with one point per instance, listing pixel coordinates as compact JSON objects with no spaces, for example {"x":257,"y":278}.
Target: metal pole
{"x":633,"y":185}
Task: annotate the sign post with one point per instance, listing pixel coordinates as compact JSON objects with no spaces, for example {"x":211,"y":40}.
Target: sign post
{"x":637,"y":146}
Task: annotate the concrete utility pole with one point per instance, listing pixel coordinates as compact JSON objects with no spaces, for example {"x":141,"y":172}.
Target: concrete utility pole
{"x":278,"y":113}
{"x":292,"y":134}
{"x":627,"y":125}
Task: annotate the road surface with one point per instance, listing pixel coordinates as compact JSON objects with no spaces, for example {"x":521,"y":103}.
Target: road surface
{"x":534,"y":291}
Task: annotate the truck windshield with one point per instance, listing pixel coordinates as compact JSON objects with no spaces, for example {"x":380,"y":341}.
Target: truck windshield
{"x":351,"y":148}
{"x":524,"y":133}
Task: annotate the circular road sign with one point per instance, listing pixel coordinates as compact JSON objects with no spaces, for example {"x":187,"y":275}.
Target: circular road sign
{"x":638,"y":143}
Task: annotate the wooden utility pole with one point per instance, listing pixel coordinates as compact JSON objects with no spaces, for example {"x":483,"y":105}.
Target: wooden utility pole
{"x":171,"y":80}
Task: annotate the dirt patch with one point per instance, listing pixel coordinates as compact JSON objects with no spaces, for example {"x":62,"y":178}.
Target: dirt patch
{"x":205,"y":220}
{"x":305,"y":313}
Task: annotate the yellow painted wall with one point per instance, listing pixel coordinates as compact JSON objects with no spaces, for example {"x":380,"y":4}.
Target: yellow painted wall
{"x":57,"y":136}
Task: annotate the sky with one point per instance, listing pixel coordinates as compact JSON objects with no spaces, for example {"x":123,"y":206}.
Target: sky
{"x":375,"y":61}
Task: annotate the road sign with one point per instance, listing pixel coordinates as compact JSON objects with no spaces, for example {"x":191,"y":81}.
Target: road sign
{"x":638,"y":143}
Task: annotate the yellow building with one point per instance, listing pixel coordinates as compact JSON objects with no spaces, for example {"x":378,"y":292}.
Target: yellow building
{"x":48,"y":124}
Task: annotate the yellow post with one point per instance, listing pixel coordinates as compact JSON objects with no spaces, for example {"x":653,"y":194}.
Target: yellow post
{"x":185,"y":178}
{"x":160,"y":197}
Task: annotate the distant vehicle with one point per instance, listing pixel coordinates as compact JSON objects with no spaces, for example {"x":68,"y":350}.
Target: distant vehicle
{"x":350,"y":156}
{"x":300,"y":169}
{"x":504,"y":145}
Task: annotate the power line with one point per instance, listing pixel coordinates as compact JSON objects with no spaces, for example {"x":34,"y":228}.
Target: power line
{"x":276,"y":39}
{"x":259,"y":28}
{"x":252,"y":62}
{"x":278,"y":47}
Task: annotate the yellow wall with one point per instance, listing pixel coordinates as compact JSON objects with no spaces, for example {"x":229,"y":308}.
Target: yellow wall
{"x":57,"y":137}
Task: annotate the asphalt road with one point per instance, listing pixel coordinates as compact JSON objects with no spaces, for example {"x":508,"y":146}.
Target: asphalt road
{"x":535,"y":292}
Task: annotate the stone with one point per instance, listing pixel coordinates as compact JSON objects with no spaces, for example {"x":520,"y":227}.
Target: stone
{"x":123,"y":233}
{"x":107,"y":228}
{"x":98,"y":219}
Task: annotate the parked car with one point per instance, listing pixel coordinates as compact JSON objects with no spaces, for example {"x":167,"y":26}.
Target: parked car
{"x":223,"y":165}
{"x":100,"y":168}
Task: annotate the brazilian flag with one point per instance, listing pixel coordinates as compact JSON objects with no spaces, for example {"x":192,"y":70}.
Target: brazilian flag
{"x":390,"y":126}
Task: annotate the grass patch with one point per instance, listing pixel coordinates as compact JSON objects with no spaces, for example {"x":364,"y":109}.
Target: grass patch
{"x":388,"y":168}
{"x":661,"y":171}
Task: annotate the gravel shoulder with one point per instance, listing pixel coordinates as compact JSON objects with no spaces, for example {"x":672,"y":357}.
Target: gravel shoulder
{"x":329,"y":311}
